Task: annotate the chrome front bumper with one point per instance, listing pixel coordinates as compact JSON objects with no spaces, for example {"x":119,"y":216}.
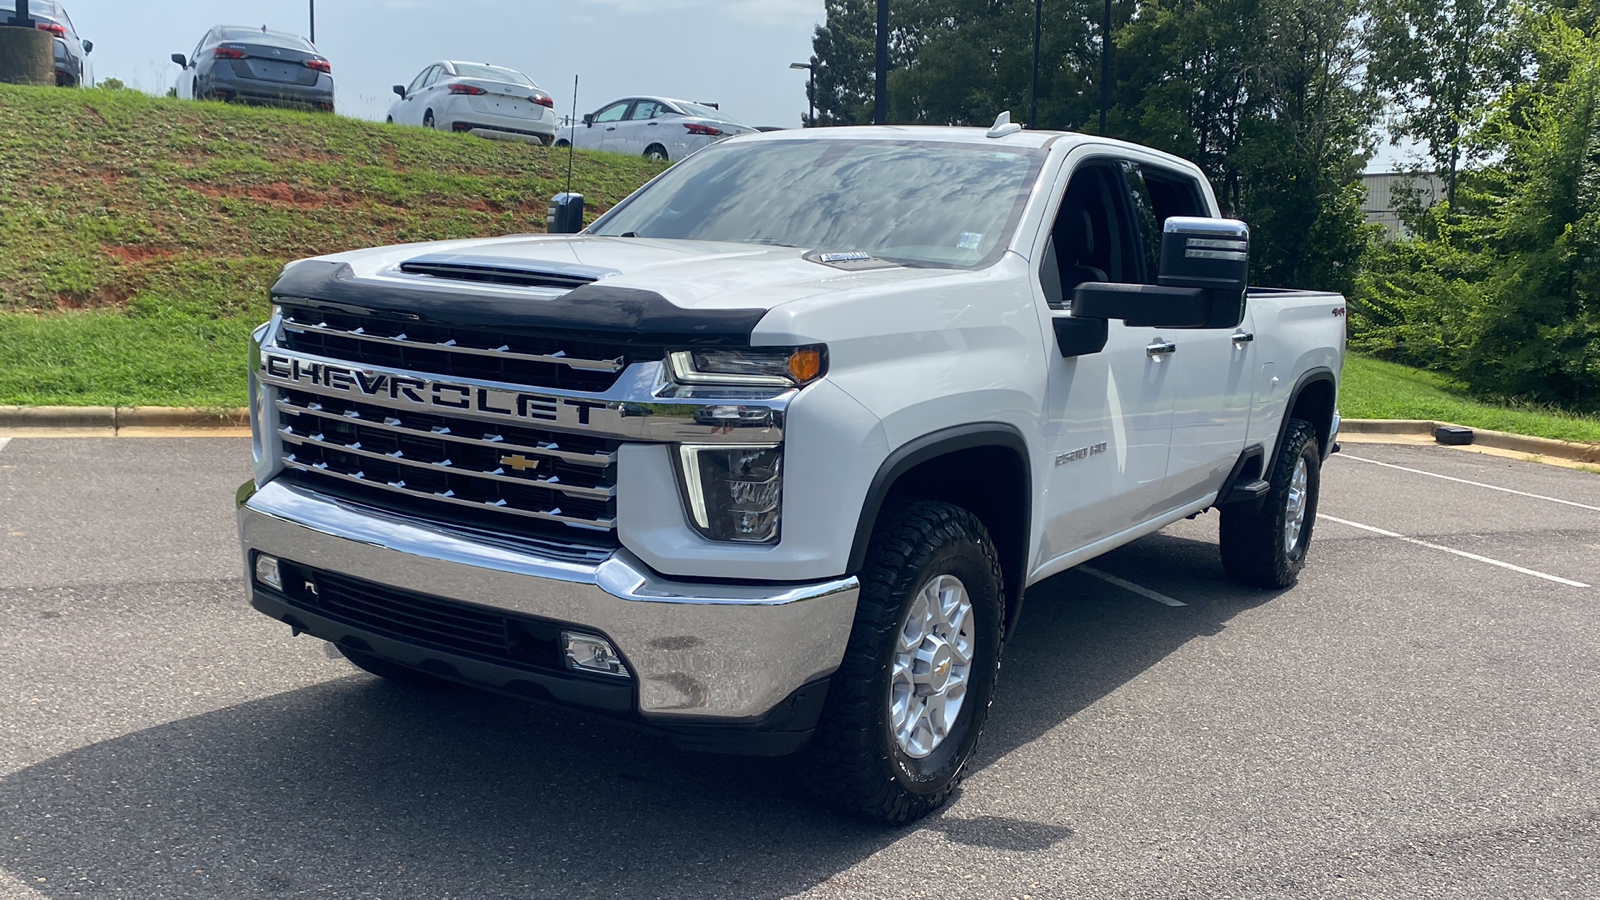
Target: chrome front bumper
{"x":698,"y":653}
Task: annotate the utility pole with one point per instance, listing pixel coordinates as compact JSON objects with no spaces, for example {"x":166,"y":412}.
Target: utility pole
{"x":313,"y":21}
{"x":1105,"y":66}
{"x":880,"y":91}
{"x":1033,"y":96}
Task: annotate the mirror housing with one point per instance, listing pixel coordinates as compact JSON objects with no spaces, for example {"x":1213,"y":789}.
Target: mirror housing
{"x":1205,"y":265}
{"x":565,"y":215}
{"x":588,"y":120}
{"x":181,"y":60}
{"x":400,"y":89}
{"x":88,"y":47}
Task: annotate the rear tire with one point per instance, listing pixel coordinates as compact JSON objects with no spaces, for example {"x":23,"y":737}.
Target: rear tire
{"x":904,"y":712}
{"x":390,"y":671}
{"x":1266,"y":547}
{"x":427,"y":120}
{"x":656,"y":152}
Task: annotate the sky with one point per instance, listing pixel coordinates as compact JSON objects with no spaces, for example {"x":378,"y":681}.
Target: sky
{"x":732,"y":52}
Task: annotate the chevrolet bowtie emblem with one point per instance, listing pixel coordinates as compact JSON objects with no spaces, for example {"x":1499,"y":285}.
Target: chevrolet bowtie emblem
{"x":520,"y":463}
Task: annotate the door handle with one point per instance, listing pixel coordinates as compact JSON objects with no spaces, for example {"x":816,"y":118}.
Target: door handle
{"x":652,"y":124}
{"x":1243,"y":337}
{"x":611,"y":128}
{"x":1160,"y":348}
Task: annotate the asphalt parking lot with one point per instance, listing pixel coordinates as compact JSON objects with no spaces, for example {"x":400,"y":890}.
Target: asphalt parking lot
{"x":1416,"y":718}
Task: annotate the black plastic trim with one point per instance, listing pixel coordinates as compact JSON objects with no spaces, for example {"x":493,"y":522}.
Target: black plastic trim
{"x":914,"y":453}
{"x":1254,"y":451}
{"x":1080,"y":336}
{"x":784,"y":729}
{"x":1313,"y":376}
{"x":598,"y":311}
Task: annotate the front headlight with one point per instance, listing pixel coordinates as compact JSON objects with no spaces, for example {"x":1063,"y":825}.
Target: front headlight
{"x":733,"y":493}
{"x":753,"y":366}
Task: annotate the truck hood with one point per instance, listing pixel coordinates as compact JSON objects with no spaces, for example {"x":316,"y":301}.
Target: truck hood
{"x":690,"y":275}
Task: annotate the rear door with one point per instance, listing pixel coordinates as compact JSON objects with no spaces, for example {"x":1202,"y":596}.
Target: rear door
{"x":636,"y":132}
{"x":1211,"y":367}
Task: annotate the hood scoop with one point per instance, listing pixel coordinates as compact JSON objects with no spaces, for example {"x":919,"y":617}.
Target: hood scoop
{"x":500,"y":270}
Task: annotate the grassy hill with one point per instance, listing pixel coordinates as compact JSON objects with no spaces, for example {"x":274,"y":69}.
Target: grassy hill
{"x":139,"y":235}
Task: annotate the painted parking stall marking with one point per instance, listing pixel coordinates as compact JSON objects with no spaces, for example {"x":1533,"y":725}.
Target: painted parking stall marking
{"x":3,"y":443}
{"x":1492,"y":487}
{"x":1462,"y":553}
{"x":1126,"y":585}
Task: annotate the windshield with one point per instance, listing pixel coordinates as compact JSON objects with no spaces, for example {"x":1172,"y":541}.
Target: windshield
{"x":706,"y":112}
{"x":924,"y":203}
{"x":269,"y":38}
{"x":492,"y":73}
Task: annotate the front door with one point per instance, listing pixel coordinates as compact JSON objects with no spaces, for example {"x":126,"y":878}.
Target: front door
{"x":1109,"y":414}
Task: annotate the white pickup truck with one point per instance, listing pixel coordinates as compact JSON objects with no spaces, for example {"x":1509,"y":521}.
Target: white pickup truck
{"x":767,"y":457}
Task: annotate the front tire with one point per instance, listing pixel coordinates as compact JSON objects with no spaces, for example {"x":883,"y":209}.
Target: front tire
{"x":905,"y":710}
{"x":1266,"y":547}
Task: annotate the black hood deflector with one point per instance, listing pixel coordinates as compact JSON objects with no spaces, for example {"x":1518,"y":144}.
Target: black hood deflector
{"x":593,"y":311}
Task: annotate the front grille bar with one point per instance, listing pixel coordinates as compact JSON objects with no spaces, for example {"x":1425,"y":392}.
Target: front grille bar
{"x":398,"y":426}
{"x":290,"y":436}
{"x":502,"y":352}
{"x":501,"y":506}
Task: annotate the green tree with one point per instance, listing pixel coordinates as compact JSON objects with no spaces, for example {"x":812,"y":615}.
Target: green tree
{"x":844,"y":52}
{"x":1440,"y":62}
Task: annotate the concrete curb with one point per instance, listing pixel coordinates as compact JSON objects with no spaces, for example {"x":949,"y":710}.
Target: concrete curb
{"x":116,"y":418}
{"x":1500,"y":440}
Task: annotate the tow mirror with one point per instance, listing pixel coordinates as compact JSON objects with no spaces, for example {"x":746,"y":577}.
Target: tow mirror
{"x":588,"y":120}
{"x":181,"y":60}
{"x":565,"y":215}
{"x":401,"y":90}
{"x":1205,"y":266}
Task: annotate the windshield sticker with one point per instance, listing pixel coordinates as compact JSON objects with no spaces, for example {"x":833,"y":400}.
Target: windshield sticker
{"x":969,"y":240}
{"x":852,"y":256}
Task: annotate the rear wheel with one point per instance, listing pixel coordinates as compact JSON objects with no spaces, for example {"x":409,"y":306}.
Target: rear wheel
{"x":1266,"y":547}
{"x":656,"y":152}
{"x":427,"y":119}
{"x":904,"y":713}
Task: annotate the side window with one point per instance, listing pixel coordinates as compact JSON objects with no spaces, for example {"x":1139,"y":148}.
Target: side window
{"x":433,"y":76}
{"x":645,"y":109}
{"x":612,"y":113}
{"x":416,"y":83}
{"x":1144,"y":220}
{"x":1093,"y":237}
{"x":1173,"y":194}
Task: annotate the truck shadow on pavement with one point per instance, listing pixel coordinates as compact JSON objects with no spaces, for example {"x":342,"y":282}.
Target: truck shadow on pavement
{"x":360,"y":788}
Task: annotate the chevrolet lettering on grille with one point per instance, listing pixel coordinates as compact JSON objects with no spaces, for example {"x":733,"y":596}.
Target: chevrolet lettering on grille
{"x":423,"y":392}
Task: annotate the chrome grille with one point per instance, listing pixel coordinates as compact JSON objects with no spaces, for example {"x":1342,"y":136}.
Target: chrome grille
{"x":509,"y":477}
{"x":450,"y":351}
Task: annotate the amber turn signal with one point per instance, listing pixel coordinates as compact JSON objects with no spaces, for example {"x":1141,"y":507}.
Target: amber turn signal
{"x":805,"y":365}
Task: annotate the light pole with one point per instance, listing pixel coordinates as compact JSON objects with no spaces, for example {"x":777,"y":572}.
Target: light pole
{"x":313,"y":21}
{"x":1105,"y":66}
{"x":811,"y":91}
{"x":1033,"y":97}
{"x":880,"y":87}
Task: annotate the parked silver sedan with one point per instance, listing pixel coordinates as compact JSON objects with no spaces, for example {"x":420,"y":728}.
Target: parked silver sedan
{"x":476,"y":98}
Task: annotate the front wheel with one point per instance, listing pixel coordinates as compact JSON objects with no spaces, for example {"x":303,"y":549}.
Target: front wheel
{"x":1266,"y":547}
{"x":563,"y":143}
{"x":906,"y":708}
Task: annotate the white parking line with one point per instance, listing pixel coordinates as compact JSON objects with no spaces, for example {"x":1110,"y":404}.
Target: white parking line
{"x":1462,"y":553}
{"x":1108,"y":578}
{"x":1464,"y":481}
{"x":4,"y":442}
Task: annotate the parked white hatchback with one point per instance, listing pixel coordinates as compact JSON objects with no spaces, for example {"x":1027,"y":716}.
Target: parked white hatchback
{"x":488,"y":101}
{"x":657,"y":127}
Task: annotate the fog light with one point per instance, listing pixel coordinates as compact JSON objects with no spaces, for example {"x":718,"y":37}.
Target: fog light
{"x":267,"y":572}
{"x":588,"y":653}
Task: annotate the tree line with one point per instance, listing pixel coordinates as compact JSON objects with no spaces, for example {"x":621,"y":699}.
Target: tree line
{"x":1282,"y":103}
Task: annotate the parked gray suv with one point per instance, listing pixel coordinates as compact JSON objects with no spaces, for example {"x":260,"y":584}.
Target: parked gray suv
{"x":254,"y":65}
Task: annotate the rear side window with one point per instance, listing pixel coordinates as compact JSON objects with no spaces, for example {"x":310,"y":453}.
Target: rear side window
{"x":1157,"y":195}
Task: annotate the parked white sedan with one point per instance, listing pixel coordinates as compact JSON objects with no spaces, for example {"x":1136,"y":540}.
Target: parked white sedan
{"x":489,"y":101}
{"x":657,"y":127}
